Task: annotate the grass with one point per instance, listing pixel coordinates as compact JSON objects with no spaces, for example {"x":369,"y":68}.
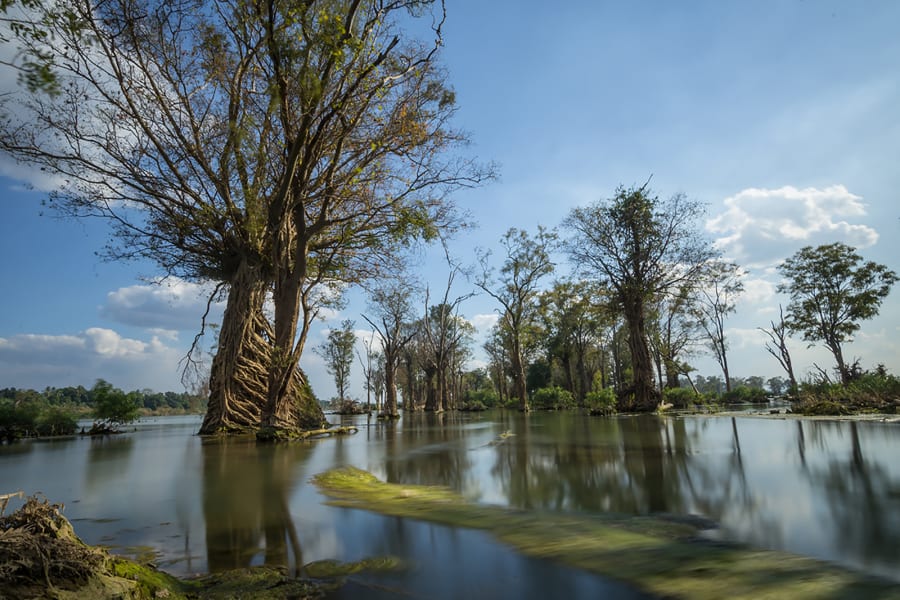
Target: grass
{"x":652,"y":554}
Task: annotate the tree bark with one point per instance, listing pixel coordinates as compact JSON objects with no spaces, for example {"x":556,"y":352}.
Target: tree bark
{"x":642,"y":363}
{"x":239,"y":374}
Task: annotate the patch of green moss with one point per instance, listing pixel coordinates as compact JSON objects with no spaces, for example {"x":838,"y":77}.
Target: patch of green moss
{"x":657,"y":555}
{"x":150,"y":583}
{"x":332,"y":569}
{"x":256,"y":583}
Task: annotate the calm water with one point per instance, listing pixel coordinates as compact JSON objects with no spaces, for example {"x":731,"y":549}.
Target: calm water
{"x":820,"y":488}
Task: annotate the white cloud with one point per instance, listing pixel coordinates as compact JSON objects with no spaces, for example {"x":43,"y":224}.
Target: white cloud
{"x":760,"y":227}
{"x":757,"y":291}
{"x":171,"y":304}
{"x":37,"y":361}
{"x":483,"y":322}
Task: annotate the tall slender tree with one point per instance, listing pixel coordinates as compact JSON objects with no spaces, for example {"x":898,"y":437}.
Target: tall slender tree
{"x":337,"y":351}
{"x":527,"y":261}
{"x":717,"y":294}
{"x":392,"y":313}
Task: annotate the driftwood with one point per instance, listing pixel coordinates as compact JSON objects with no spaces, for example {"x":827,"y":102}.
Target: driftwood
{"x":5,"y":498}
{"x":312,"y":433}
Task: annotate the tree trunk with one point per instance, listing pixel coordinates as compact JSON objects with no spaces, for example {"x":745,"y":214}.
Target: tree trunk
{"x":642,"y":364}
{"x":239,"y":374}
{"x":519,"y":385}
{"x":390,"y":385}
{"x":432,"y":403}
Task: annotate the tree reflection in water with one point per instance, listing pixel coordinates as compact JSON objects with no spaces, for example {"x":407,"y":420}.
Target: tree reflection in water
{"x":863,"y":499}
{"x":246,"y":487}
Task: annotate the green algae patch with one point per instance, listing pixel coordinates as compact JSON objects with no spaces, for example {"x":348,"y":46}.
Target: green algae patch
{"x":658,"y":555}
{"x":332,"y":569}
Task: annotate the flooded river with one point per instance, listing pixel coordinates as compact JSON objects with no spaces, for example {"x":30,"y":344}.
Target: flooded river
{"x":826,"y":489}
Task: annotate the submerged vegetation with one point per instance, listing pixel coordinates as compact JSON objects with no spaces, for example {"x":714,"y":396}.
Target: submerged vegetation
{"x":661,"y":555}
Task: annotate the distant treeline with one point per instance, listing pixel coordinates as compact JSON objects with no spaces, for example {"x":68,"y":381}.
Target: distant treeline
{"x":79,"y":397}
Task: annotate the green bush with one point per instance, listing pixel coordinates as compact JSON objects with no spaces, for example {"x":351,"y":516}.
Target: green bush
{"x":56,"y":421}
{"x":601,"y":402}
{"x":552,"y":398}
{"x":742,"y":393}
{"x":485,"y":396}
{"x":112,"y":406}
{"x":682,"y":397}
{"x":871,"y":391}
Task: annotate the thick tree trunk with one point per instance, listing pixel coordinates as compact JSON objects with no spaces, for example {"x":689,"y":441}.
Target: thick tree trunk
{"x":432,"y":402}
{"x":239,"y":378}
{"x":390,"y":386}
{"x":239,"y":374}
{"x":642,"y":364}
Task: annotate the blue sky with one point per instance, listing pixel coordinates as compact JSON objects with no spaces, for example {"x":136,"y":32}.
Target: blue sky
{"x":781,"y":116}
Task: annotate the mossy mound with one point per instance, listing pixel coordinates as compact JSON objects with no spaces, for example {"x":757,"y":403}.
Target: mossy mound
{"x":42,"y":557}
{"x":663,"y":556}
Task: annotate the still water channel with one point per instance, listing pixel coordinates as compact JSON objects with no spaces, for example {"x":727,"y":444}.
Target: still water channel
{"x":821,"y":488}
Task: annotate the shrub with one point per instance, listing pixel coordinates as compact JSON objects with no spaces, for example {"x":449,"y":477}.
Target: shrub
{"x":601,"y":402}
{"x":56,"y":421}
{"x":682,"y":397}
{"x":485,"y":396}
{"x":742,"y":393}
{"x":552,"y":398}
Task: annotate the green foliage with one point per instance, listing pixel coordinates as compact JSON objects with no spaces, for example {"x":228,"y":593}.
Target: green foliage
{"x":552,"y":398}
{"x":743,"y":393}
{"x":485,"y":397}
{"x":55,"y":420}
{"x":113,"y":406}
{"x":682,"y":397}
{"x":831,"y":291}
{"x":601,"y":402}
{"x":337,"y":351}
{"x":34,"y":417}
{"x":875,"y":391}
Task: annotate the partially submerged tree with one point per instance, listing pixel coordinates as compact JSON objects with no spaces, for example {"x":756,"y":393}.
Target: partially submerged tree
{"x":112,"y":406}
{"x":527,"y":261}
{"x":641,"y":247}
{"x":268,"y":147}
{"x":832,"y":289}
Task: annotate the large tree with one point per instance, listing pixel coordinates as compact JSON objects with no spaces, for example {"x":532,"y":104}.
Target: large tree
{"x":832,"y":289}
{"x":641,"y":247}
{"x":270,"y":147}
{"x":527,"y":261}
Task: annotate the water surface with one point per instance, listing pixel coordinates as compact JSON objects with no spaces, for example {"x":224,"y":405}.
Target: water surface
{"x":820,"y":488}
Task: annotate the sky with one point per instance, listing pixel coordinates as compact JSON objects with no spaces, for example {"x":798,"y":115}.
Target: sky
{"x":780,"y":116}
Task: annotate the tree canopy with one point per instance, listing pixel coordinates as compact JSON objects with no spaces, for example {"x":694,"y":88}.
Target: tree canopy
{"x":832,"y":289}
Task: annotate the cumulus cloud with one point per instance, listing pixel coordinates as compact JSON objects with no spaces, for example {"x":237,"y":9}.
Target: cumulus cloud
{"x":37,"y":361}
{"x":171,"y":304}
{"x":760,"y":227}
